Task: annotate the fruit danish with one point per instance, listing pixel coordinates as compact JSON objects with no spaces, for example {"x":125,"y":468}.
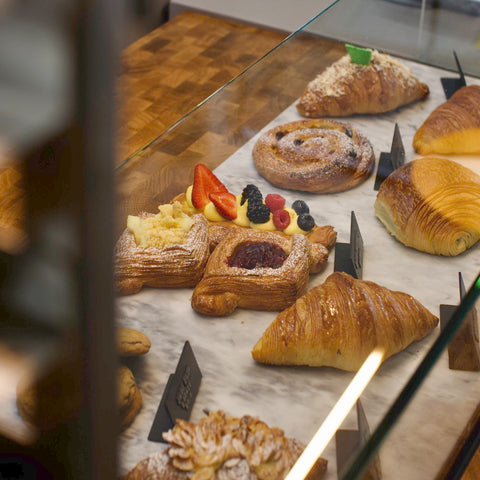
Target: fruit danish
{"x":169,"y":249}
{"x":453,"y":127}
{"x":337,"y":324}
{"x":257,"y":270}
{"x":346,"y":88}
{"x":221,"y":447}
{"x":318,"y":155}
{"x":432,"y":205}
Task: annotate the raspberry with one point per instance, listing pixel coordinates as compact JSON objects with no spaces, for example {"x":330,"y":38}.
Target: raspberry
{"x":281,"y":219}
{"x":274,"y":201}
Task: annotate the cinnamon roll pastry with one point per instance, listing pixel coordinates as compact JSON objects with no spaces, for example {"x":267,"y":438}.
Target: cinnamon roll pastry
{"x":257,"y":270}
{"x":339,"y":323}
{"x":165,"y":258}
{"x":432,"y":205}
{"x":221,"y":447}
{"x":346,"y":88}
{"x":318,"y":155}
{"x":453,"y":127}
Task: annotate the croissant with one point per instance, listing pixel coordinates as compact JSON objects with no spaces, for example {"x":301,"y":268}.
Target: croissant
{"x":221,"y":447}
{"x":337,"y":324}
{"x":432,"y":205}
{"x":257,"y":269}
{"x":346,"y":88}
{"x":453,"y":127}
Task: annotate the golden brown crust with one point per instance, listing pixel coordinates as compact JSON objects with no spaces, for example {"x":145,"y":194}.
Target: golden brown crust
{"x":224,"y":288}
{"x":453,"y":127}
{"x":346,"y":88}
{"x":129,"y":398}
{"x":178,"y":265}
{"x":318,"y":155}
{"x":131,"y":342}
{"x":432,"y":205}
{"x":340,"y":322}
{"x":220,"y":447}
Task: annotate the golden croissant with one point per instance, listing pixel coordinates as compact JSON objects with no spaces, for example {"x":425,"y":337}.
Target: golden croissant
{"x":346,"y":88}
{"x":432,"y":205}
{"x":453,"y":127}
{"x":337,"y":324}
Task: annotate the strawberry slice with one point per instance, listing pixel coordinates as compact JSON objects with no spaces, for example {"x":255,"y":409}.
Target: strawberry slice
{"x":204,"y":183}
{"x":225,"y":203}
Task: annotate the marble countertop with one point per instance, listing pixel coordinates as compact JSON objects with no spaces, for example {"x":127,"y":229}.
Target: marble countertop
{"x":298,"y":399}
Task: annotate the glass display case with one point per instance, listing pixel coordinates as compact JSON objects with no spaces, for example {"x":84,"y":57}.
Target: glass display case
{"x":416,"y":414}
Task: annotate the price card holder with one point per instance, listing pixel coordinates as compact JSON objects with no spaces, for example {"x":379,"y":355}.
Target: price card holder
{"x":179,"y":395}
{"x":349,"y":256}
{"x":390,"y":161}
{"x":463,"y":349}
{"x":349,"y":442}
{"x":451,"y":85}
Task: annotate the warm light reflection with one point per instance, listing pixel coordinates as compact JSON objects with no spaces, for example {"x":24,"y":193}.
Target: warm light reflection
{"x":336,"y":416}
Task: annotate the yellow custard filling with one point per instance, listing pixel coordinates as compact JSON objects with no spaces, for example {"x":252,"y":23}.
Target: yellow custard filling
{"x":168,"y":227}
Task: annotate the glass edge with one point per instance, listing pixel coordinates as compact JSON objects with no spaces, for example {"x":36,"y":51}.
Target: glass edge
{"x":370,"y":448}
{"x":219,"y":90}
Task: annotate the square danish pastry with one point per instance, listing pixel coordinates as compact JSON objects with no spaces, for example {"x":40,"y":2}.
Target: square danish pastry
{"x":169,"y":249}
{"x":258,"y":270}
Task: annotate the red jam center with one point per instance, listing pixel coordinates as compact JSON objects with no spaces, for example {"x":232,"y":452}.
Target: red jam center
{"x":257,"y":255}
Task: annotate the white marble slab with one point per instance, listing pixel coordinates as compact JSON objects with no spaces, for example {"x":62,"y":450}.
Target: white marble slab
{"x":298,"y":399}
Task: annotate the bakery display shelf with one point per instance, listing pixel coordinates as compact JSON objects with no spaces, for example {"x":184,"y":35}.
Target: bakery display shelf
{"x":221,"y":134}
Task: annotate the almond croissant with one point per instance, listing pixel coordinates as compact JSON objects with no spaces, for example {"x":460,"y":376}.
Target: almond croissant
{"x":338,"y":323}
{"x":453,"y":127}
{"x":346,"y":88}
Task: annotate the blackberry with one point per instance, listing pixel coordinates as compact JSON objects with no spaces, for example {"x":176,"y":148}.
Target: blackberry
{"x":300,"y":207}
{"x":251,"y":192}
{"x":257,"y":212}
{"x":305,"y":221}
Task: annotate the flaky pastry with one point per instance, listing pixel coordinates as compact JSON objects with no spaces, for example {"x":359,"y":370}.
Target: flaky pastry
{"x":238,"y":272}
{"x":432,"y":205}
{"x":453,"y":127}
{"x":221,"y":447}
{"x":317,"y":155}
{"x":337,"y":324}
{"x":346,"y":88}
{"x":175,"y":265}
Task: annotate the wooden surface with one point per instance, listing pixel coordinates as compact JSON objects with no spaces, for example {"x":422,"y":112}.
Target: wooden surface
{"x":163,"y":76}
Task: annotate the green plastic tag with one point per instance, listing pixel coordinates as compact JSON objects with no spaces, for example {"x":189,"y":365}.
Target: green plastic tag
{"x":361,"y":56}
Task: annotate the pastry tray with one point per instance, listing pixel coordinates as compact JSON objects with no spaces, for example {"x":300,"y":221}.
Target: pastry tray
{"x":298,"y":399}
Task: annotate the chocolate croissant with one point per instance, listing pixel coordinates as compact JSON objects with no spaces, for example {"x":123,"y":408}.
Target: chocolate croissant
{"x":337,"y":324}
{"x":432,"y":205}
{"x":346,"y":88}
{"x":453,"y":127}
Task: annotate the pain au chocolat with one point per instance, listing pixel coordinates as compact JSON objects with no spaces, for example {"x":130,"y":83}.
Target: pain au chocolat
{"x":317,"y":155}
{"x":432,"y":205}
{"x":337,"y":324}
{"x":453,"y":127}
{"x":346,"y":88}
{"x":258,"y":270}
{"x":222,"y":447}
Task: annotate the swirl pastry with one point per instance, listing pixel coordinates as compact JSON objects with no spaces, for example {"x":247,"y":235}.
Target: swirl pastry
{"x":258,"y":270}
{"x":221,"y":447}
{"x":317,"y":155}
{"x":453,"y":127}
{"x":337,"y":324}
{"x":432,"y":205}
{"x":346,"y":88}
{"x":174,"y":265}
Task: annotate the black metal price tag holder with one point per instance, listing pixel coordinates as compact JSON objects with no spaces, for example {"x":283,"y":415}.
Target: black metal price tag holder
{"x":390,"y":161}
{"x":451,"y":85}
{"x":349,"y":256}
{"x":463,"y":349}
{"x":179,"y":395}
{"x":349,"y":442}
